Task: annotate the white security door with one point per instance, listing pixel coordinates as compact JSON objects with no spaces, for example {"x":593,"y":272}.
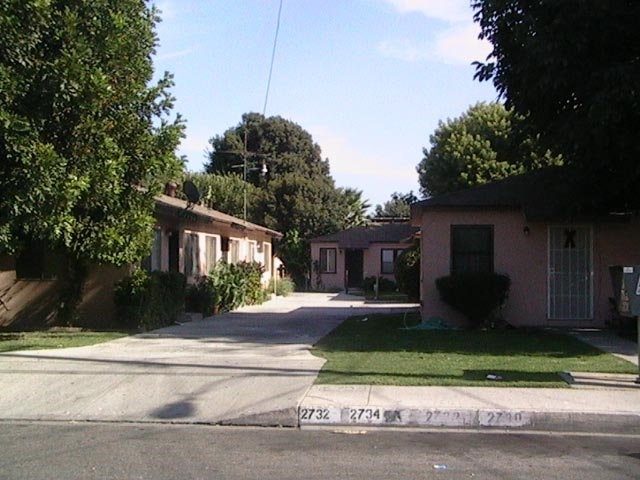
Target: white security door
{"x":570,"y":286}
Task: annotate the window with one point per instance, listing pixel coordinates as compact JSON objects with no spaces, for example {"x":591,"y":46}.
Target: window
{"x":388,"y":259}
{"x":191,"y":255}
{"x":211,"y":253}
{"x":266,"y":248}
{"x":252,"y":252}
{"x":234,"y":250}
{"x":471,"y":248}
{"x":327,"y":260}
{"x":154,"y":261}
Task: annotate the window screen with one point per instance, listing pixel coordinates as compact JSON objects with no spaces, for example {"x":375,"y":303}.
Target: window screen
{"x":327,"y":260}
{"x":388,"y":259}
{"x":471,"y":248}
{"x":191,"y":255}
{"x":210,"y":252}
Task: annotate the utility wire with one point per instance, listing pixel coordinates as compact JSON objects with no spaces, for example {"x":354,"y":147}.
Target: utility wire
{"x":273,"y":56}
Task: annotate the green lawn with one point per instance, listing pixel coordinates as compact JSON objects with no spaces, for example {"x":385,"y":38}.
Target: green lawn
{"x":387,"y":297}
{"x":53,"y":339}
{"x":379,"y":351}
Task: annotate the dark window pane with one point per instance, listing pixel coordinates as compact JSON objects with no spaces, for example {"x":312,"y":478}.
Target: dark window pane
{"x":471,"y":248}
{"x":327,"y":260}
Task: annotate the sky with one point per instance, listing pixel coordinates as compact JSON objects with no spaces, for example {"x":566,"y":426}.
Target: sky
{"x":368,"y":79}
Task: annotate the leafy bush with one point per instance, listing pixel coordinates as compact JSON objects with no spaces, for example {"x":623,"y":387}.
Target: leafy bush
{"x":237,"y":284}
{"x":478,"y":296}
{"x":407,"y":272}
{"x":283,"y":286}
{"x":149,"y":300}
{"x":202,"y":297}
{"x":384,"y":284}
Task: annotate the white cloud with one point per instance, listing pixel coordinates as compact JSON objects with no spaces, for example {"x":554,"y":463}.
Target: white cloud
{"x":445,"y":10}
{"x":195,"y":147}
{"x":347,"y":160}
{"x":459,"y":45}
{"x":404,"y":50}
{"x":178,"y":54}
{"x":167,"y":10}
{"x":455,"y":42}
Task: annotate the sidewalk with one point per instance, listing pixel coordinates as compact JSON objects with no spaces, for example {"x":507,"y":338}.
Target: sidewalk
{"x":253,"y":367}
{"x":604,"y":403}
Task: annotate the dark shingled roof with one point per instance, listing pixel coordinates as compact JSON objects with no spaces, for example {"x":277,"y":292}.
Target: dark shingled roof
{"x":362,"y":237}
{"x":545,"y":194}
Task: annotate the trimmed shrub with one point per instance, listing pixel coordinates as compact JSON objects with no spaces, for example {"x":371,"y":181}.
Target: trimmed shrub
{"x":146,"y":301}
{"x":407,"y":272}
{"x":478,"y":296}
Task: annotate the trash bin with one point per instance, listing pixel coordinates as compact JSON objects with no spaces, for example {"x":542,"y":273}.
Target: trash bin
{"x":626,"y":291}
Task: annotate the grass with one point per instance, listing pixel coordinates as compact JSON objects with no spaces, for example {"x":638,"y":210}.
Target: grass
{"x":53,"y":339}
{"x":387,"y":297}
{"x":379,"y":351}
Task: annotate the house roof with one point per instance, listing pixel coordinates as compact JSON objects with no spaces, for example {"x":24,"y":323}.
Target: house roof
{"x":362,"y":237}
{"x":208,"y":215}
{"x":545,"y":194}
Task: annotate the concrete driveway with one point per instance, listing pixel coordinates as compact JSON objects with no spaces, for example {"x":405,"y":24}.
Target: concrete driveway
{"x":249,"y":367}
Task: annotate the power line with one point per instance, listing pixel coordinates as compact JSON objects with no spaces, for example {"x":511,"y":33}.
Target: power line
{"x":273,"y":56}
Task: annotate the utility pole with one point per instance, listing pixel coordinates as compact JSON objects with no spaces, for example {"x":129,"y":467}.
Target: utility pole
{"x":245,"y":153}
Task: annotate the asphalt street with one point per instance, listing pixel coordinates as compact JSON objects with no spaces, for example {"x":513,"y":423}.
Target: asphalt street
{"x":42,"y":450}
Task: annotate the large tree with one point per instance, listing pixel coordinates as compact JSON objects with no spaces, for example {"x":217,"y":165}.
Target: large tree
{"x":399,"y":206}
{"x":297,"y":193}
{"x":487,"y":142}
{"x":227,"y":193}
{"x":572,"y":68}
{"x":85,"y":139}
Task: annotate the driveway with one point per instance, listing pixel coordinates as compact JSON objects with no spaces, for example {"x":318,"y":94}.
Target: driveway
{"x":249,"y":367}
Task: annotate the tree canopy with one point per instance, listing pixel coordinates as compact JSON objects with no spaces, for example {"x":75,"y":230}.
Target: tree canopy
{"x":226,"y":193}
{"x":80,"y":128}
{"x":572,"y":69}
{"x":85,"y":138}
{"x":487,"y":142}
{"x":399,"y":206}
{"x":296,"y":195}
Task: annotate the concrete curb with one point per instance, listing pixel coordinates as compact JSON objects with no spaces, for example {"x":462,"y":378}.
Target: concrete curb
{"x":551,"y":421}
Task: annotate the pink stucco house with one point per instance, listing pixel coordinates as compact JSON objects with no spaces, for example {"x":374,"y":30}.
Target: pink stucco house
{"x":341,"y":260}
{"x":558,"y":263}
{"x":189,"y":239}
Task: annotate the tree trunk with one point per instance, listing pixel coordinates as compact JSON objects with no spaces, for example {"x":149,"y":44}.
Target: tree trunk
{"x":73,"y":277}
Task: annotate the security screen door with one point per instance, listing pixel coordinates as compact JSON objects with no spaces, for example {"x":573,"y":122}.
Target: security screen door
{"x":570,"y":287}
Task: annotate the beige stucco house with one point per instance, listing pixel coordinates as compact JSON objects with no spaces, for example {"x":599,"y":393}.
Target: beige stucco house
{"x":558,"y":262}
{"x":187,"y":238}
{"x":342,"y":260}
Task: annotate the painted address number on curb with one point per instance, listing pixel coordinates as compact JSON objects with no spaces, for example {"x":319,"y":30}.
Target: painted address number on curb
{"x":446,"y":418}
{"x":319,"y":415}
{"x":365,"y":415}
{"x":504,"y":419}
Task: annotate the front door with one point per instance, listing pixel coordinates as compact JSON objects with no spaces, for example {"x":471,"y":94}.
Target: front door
{"x":354,"y":265}
{"x":570,"y":286}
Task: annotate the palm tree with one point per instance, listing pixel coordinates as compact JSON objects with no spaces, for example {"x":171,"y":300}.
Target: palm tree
{"x":355,"y":206}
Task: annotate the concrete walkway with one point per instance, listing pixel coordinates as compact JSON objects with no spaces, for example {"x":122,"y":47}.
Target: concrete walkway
{"x":251,"y":366}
